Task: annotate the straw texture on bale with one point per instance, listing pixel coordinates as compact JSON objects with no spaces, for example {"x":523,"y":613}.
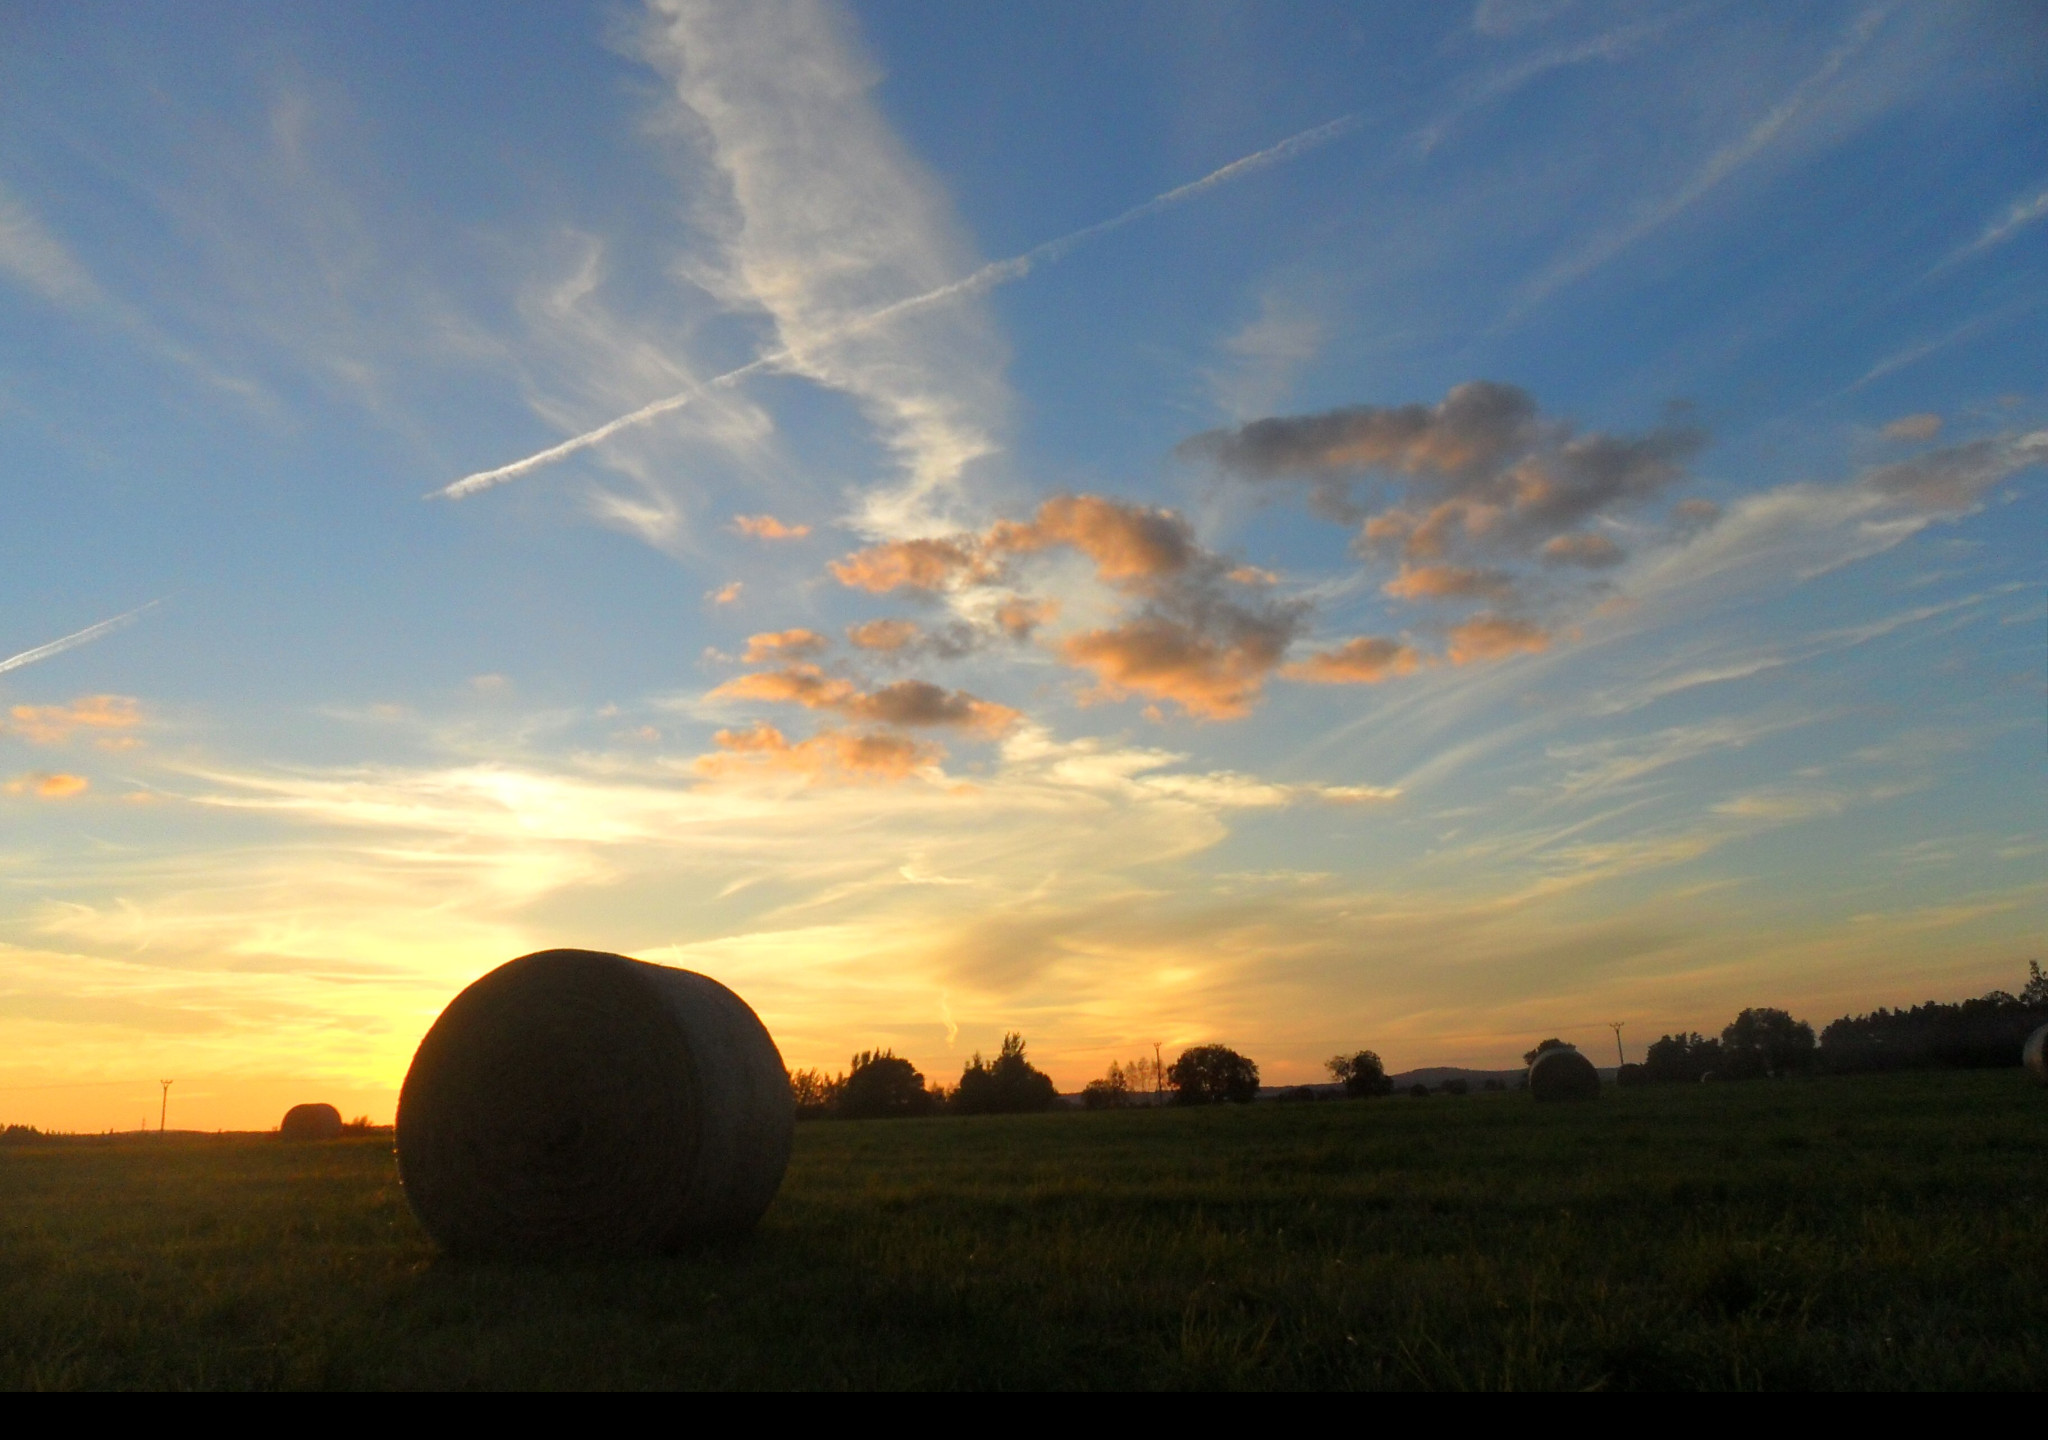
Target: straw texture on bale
{"x":2035,"y":1055}
{"x":575,"y":1102}
{"x":310,"y":1122}
{"x":1562,"y":1073}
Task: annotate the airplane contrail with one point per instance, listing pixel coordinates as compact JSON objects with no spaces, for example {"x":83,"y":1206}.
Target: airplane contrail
{"x":996,"y":272}
{"x":83,"y":637}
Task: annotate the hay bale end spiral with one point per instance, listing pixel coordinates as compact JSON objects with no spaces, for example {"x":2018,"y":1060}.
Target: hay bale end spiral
{"x":310,"y":1122}
{"x":1562,"y":1073}
{"x":576,"y":1102}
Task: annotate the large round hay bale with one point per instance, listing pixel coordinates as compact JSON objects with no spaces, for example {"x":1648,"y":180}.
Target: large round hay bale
{"x":310,"y":1122}
{"x":2036,"y":1055}
{"x":1562,"y":1073}
{"x":576,"y":1102}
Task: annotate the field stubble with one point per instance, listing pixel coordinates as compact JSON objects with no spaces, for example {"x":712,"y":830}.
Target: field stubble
{"x":1875,"y":1232}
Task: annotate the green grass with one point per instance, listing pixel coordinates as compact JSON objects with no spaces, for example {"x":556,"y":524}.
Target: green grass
{"x":1873,"y":1232}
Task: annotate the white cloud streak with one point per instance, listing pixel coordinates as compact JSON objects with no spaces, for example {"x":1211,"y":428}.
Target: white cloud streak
{"x":1723,"y":163}
{"x":2017,"y":217}
{"x":72,"y":641}
{"x":988,"y":277}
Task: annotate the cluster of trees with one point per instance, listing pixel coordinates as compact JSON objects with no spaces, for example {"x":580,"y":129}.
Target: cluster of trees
{"x":1969,"y":1034}
{"x":1202,"y":1075}
{"x":882,"y":1085}
{"x":1142,"y":1082}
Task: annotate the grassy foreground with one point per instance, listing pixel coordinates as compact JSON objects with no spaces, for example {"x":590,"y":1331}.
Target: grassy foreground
{"x":1886,"y":1231}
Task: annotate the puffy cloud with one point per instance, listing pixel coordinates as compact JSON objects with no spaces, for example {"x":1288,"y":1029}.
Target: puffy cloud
{"x":1019,"y":616}
{"x":54,"y":724}
{"x":1190,"y":639}
{"x":1924,"y":426}
{"x":1481,"y":470}
{"x":1213,"y":670}
{"x":907,"y":702}
{"x":886,"y":636}
{"x":784,"y":645}
{"x":1494,"y":637}
{"x":48,"y":785}
{"x":767,"y":527}
{"x":1128,"y":543}
{"x":1590,"y":551}
{"x":904,"y":565}
{"x":725,"y":594}
{"x":921,"y":703}
{"x":1365,"y":660}
{"x":1472,"y":431}
{"x":1448,"y":582}
{"x":830,"y":755}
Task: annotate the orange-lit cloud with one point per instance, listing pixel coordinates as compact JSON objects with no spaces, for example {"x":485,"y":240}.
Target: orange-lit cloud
{"x":886,"y":636}
{"x":1494,"y":637}
{"x":1913,"y":427}
{"x":767,"y":527}
{"x":725,"y":594}
{"x":1127,"y":542}
{"x":48,"y":785}
{"x":1252,"y":575}
{"x":1366,"y":660}
{"x":784,"y":645}
{"x":54,"y":724}
{"x":1593,"y":552}
{"x":833,"y":754}
{"x":905,"y":703}
{"x":1018,"y":616}
{"x":1211,"y":675}
{"x":1448,"y":582}
{"x":904,"y":564}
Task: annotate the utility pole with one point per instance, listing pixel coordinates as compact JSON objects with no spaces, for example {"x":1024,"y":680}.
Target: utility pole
{"x":1158,"y":1075}
{"x":1615,"y":1026}
{"x":163,"y":1109}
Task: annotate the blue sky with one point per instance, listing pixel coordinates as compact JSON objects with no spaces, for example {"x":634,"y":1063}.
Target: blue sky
{"x":1538,"y":525}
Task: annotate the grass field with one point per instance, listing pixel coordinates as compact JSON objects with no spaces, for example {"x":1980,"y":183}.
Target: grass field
{"x":1887,"y":1231}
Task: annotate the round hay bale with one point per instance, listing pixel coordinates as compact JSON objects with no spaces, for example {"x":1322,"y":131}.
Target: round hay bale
{"x":574,"y":1102}
{"x":1562,"y":1073}
{"x":310,"y":1122}
{"x":2035,"y":1055}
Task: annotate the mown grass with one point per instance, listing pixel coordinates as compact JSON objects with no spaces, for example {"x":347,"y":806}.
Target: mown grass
{"x":1873,"y":1232}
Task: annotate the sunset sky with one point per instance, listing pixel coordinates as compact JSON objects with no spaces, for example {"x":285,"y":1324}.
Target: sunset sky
{"x":1305,"y":526}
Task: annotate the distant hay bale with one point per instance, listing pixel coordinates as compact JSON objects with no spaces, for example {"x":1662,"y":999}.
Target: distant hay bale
{"x":574,"y":1102}
{"x":310,"y":1122}
{"x":1562,"y":1073}
{"x":2036,"y":1054}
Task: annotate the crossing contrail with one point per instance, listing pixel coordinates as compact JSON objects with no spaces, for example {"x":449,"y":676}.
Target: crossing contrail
{"x":83,"y":637}
{"x":996,"y":272}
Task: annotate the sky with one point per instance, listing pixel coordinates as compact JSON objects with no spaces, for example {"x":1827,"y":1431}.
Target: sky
{"x":1302,"y":527}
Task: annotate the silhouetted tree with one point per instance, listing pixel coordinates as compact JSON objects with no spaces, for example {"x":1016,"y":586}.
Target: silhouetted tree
{"x":1210,"y":1074}
{"x":1492,"y":1084}
{"x":1111,"y":1092}
{"x":1764,"y":1041}
{"x":814,"y":1092}
{"x":1418,"y":1091}
{"x":1681,"y":1058}
{"x":1006,"y":1085}
{"x":1529,"y":1056}
{"x":1362,"y":1074}
{"x":1456,"y":1085}
{"x":879,"y":1085}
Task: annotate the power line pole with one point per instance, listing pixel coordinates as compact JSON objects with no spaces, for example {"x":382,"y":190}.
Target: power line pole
{"x":1158,"y":1075}
{"x":163,"y":1109}
{"x":1615,"y":1026}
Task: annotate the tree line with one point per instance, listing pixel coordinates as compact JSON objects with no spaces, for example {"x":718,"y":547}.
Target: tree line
{"x":880,"y":1084}
{"x":1985,"y":1033}
{"x":1761,"y":1041}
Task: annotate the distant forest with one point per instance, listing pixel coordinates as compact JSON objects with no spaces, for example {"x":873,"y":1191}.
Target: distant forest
{"x":1984,"y":1033}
